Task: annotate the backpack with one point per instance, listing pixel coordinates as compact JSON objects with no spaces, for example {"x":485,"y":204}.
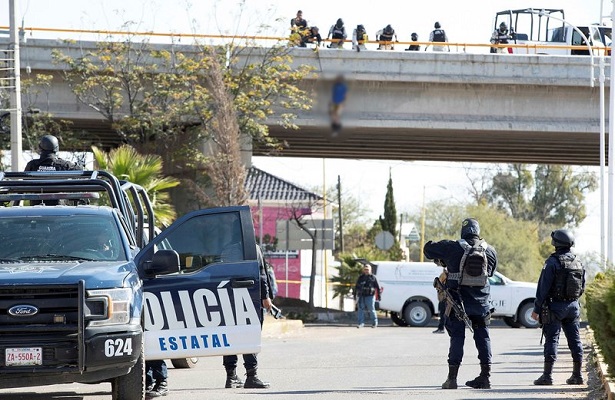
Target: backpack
{"x":473,"y":267}
{"x":439,"y":36}
{"x":568,"y":282}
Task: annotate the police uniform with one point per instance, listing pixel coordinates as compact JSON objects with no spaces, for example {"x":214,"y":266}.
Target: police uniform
{"x":250,"y":361}
{"x":500,"y":36}
{"x":51,"y":162}
{"x":558,"y":293}
{"x":474,"y":299}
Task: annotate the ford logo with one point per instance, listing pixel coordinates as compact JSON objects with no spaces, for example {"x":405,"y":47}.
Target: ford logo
{"x":23,"y":310}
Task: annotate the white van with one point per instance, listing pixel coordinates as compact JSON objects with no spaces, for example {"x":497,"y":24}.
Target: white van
{"x":409,"y":295}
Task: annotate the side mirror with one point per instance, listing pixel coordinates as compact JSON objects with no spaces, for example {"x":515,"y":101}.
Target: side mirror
{"x":163,"y":262}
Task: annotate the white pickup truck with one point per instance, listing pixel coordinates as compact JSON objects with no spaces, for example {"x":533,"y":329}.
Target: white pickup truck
{"x":408,"y":294}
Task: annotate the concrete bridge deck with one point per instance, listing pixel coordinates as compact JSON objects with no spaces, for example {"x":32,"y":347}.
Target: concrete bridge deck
{"x":413,"y":105}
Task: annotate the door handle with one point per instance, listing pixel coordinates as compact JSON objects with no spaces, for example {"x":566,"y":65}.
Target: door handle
{"x":242,"y":283}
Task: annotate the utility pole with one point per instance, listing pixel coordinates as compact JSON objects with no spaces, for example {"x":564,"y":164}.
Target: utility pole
{"x":15,"y":100}
{"x":339,"y":212}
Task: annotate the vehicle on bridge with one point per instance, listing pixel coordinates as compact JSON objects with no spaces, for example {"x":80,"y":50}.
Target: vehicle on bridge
{"x":86,"y":296}
{"x":408,"y":294}
{"x":546,"y":30}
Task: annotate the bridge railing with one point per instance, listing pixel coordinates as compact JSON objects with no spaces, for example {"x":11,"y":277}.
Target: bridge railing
{"x":264,"y":40}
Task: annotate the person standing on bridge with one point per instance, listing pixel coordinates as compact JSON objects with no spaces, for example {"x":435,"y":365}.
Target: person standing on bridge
{"x":500,"y":36}
{"x":414,"y":47}
{"x":470,"y":262}
{"x":359,"y":38}
{"x":337,"y":32}
{"x":561,"y":283}
{"x":385,"y":37}
{"x":438,"y":35}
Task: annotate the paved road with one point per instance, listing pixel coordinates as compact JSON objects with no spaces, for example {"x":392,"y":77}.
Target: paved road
{"x":343,"y":362}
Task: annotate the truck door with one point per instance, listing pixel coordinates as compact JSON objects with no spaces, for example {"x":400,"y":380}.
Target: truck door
{"x":500,"y":296}
{"x":212,"y":305}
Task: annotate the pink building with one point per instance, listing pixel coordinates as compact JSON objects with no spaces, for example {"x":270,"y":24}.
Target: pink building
{"x":273,"y":199}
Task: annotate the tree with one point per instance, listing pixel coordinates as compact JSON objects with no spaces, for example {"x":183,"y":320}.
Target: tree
{"x":552,"y":195}
{"x":144,"y":170}
{"x":161,"y":101}
{"x":389,"y":222}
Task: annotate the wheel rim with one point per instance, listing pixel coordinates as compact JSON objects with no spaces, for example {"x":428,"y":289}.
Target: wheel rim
{"x":527,"y":316}
{"x":418,"y":315}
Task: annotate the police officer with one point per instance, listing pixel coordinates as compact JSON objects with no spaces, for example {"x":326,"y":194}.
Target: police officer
{"x":337,"y":32}
{"x":48,"y":160}
{"x":250,"y":361}
{"x":385,"y":37}
{"x":156,"y":376}
{"x":500,"y":36}
{"x":561,"y":283}
{"x":475,"y":300}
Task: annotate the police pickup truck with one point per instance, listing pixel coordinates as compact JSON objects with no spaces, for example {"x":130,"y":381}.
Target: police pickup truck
{"x":408,"y":294}
{"x":85,"y":297}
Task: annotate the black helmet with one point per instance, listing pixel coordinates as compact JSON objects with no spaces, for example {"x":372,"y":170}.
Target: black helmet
{"x":503,"y":27}
{"x":414,"y":36}
{"x":49,"y":143}
{"x":469,"y":228}
{"x":562,"y":238}
{"x":339,"y":23}
{"x":436,"y":25}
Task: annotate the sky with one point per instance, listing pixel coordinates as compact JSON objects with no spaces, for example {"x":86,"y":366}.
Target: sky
{"x":469,"y":21}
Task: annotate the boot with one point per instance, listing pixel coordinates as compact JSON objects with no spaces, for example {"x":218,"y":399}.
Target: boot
{"x":576,"y":378}
{"x":545,"y":378}
{"x":451,"y":380}
{"x":159,"y":389}
{"x":252,"y":381}
{"x":232,"y":380}
{"x":482,"y":380}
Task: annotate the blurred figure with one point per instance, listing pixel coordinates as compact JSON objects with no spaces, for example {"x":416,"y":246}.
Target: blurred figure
{"x":337,"y":103}
{"x":338,"y":33}
{"x":414,"y":47}
{"x":385,"y":37}
{"x":359,"y":38}
{"x":438,"y":35}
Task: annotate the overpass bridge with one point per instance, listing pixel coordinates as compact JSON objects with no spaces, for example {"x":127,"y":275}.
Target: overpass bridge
{"x":410,"y":105}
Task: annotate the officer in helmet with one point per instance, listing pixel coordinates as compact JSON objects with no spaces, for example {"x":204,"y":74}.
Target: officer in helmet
{"x":49,"y":161}
{"x":500,"y":36}
{"x":473,"y":295}
{"x":561,"y":283}
{"x":414,"y":47}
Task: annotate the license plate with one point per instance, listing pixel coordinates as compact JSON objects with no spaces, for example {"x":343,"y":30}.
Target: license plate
{"x":23,"y":356}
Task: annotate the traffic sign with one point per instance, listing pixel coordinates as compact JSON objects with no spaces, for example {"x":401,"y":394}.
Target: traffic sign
{"x":414,"y":235}
{"x":384,"y":240}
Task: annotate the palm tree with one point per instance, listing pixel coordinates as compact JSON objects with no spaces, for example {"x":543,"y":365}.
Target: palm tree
{"x":143,"y":169}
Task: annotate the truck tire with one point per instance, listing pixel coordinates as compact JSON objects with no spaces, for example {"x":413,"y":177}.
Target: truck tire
{"x":397,"y":320}
{"x":524,"y":317}
{"x":181,"y":363}
{"x":417,"y":313}
{"x":132,"y":385}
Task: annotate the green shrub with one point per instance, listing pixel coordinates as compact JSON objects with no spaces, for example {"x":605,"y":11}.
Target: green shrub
{"x":600,"y":303}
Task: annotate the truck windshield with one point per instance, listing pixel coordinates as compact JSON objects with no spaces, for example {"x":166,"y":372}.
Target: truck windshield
{"x":59,"y":238}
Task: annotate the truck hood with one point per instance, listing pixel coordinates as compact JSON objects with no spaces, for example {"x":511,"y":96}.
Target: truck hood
{"x":96,"y":274}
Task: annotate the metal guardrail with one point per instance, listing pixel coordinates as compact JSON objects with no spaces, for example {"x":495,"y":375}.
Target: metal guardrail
{"x":458,"y":46}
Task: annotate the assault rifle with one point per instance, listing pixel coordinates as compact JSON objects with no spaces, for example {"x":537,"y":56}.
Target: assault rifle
{"x":451,"y":304}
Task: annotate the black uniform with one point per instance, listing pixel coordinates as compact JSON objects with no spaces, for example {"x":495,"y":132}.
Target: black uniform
{"x":561,"y":283}
{"x":51,"y":162}
{"x":474,"y":299}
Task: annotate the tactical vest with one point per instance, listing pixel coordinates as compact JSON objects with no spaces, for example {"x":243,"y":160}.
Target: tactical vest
{"x":503,"y":37}
{"x":387,"y":36}
{"x":338,"y":33}
{"x":439,"y":36}
{"x":361,"y":36}
{"x":568,"y":282}
{"x":367,"y":286}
